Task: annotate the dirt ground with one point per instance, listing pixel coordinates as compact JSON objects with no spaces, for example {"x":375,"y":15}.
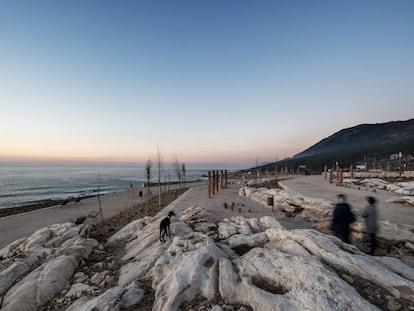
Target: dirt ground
{"x":102,"y":231}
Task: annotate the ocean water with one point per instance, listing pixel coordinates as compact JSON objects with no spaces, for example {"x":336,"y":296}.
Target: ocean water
{"x":24,"y":184}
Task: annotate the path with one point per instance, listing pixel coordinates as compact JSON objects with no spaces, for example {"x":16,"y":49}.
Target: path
{"x":315,"y":186}
{"x":213,"y":207}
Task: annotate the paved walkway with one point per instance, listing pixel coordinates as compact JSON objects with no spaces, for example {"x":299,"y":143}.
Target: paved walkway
{"x":315,"y":186}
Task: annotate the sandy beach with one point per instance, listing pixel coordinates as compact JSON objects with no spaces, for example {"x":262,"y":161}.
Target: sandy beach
{"x":20,"y":225}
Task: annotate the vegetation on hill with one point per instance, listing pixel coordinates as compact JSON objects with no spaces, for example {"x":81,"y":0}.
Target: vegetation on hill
{"x":374,"y":145}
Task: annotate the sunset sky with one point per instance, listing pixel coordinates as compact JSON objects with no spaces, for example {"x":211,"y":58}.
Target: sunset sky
{"x":207,"y":81}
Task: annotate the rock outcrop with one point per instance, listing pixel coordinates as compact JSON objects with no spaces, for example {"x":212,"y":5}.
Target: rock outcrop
{"x":254,"y":263}
{"x":235,"y":264}
{"x":34,"y":269}
{"x":319,"y":213}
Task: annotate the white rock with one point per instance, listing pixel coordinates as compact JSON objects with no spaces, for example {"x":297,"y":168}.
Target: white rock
{"x":51,"y":236}
{"x":78,"y":289}
{"x":278,"y":281}
{"x":10,"y":249}
{"x":188,"y":270}
{"x":233,"y":225}
{"x":348,"y":258}
{"x":401,"y":199}
{"x":51,"y":277}
{"x":236,"y":289}
{"x":11,"y":274}
{"x":191,"y":212}
{"x":141,"y":264}
{"x":288,"y":247}
{"x":80,"y":277}
{"x":267,"y":222}
{"x":132,"y":296}
{"x":108,"y":301}
{"x":40,"y":285}
{"x":258,"y":239}
{"x":127,"y":231}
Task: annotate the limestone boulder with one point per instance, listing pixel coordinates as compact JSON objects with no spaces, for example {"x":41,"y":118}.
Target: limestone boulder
{"x":401,"y":199}
{"x":271,"y":280}
{"x":40,"y":285}
{"x":186,"y":271}
{"x":51,"y":277}
{"x":287,"y":201}
{"x":128,"y":231}
{"x":345,"y":257}
{"x":109,"y":300}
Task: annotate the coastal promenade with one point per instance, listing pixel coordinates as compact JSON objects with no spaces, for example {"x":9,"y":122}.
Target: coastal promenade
{"x":17,"y":226}
{"x":315,"y":186}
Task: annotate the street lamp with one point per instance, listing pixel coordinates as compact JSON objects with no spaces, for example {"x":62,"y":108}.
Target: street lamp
{"x":400,"y":156}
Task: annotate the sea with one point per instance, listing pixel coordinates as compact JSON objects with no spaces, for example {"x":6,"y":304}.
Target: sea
{"x":31,"y":184}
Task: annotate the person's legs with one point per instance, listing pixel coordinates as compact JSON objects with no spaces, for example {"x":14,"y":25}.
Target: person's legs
{"x":373,"y":243}
{"x":343,"y":236}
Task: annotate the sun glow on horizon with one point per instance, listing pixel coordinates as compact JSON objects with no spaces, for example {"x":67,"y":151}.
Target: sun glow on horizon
{"x":210,"y":82}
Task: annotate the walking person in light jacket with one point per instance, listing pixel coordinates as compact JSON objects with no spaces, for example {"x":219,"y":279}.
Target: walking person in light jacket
{"x":370,"y":213}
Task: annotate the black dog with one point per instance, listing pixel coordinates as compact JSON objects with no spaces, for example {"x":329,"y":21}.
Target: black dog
{"x":165,"y":226}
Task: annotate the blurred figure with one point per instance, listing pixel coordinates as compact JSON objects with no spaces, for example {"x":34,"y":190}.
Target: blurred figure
{"x":342,"y":219}
{"x":370,"y":213}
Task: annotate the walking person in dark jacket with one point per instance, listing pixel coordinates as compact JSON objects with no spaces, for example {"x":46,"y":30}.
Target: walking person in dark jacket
{"x":342,"y":218}
{"x":370,"y":213}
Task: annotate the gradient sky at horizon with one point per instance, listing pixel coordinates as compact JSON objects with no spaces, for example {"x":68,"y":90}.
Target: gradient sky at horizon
{"x":207,"y":81}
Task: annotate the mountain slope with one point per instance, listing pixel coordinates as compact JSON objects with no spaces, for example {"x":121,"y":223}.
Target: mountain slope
{"x":381,"y":139}
{"x":365,"y":143}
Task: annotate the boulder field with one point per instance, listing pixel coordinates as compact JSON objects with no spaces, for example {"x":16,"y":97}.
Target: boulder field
{"x":235,"y":264}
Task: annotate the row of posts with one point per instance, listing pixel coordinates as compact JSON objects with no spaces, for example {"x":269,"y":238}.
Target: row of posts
{"x":216,"y":180}
{"x":338,"y":174}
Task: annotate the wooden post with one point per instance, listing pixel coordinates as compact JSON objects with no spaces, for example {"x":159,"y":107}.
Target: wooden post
{"x":225,"y":178}
{"x":325,"y":171}
{"x":217,"y":180}
{"x":341,"y":177}
{"x":330,"y":175}
{"x":221,"y":179}
{"x":351,"y":169}
{"x":214,"y":182}
{"x":209,"y":184}
{"x":337,"y":172}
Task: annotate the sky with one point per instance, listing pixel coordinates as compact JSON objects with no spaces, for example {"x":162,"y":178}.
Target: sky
{"x":230,"y":82}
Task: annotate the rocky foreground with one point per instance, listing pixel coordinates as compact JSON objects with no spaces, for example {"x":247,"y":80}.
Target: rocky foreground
{"x":238,"y":263}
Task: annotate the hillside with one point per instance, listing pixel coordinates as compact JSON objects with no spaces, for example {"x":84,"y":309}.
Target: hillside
{"x":373,"y":143}
{"x":380,"y":138}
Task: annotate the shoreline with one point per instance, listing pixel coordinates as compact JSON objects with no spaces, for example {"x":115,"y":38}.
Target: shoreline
{"x":19,"y":209}
{"x":7,"y":211}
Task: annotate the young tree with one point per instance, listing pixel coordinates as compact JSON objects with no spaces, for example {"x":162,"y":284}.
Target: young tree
{"x":159,"y":167}
{"x":99,"y":198}
{"x":183,"y":172}
{"x":148,"y":167}
{"x":177,"y":169}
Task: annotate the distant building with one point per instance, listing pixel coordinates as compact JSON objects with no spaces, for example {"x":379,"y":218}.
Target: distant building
{"x":394,"y":156}
{"x":360,"y":168}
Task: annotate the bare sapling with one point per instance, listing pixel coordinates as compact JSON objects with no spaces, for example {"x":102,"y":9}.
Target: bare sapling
{"x":99,"y":199}
{"x":148,"y":167}
{"x":177,"y":169}
{"x":183,"y":171}
{"x":159,"y":171}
